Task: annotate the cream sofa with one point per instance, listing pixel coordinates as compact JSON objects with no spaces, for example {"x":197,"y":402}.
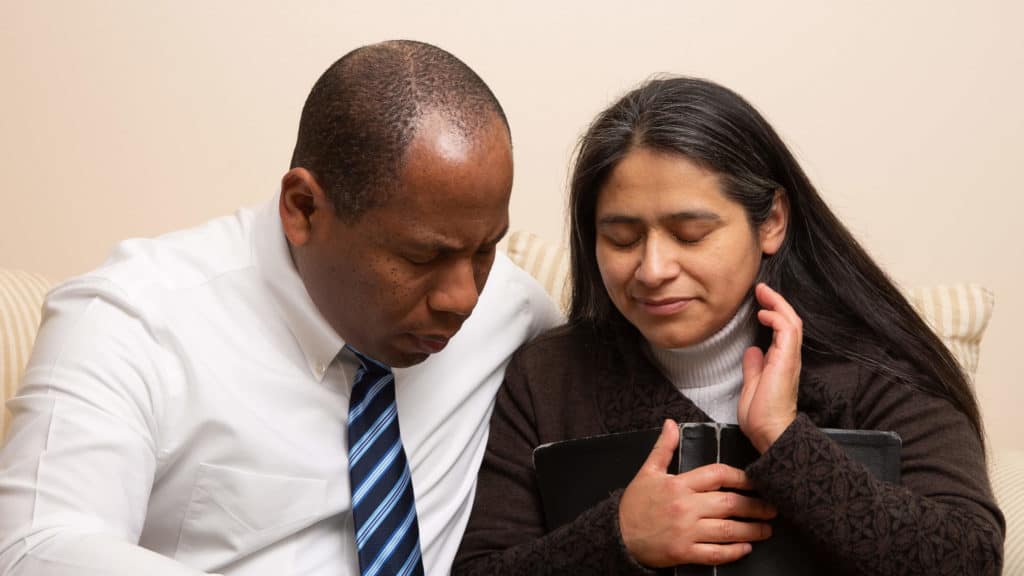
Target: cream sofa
{"x":959,"y":314}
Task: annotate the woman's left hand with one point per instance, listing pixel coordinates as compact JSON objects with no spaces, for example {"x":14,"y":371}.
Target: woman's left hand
{"x":767,"y":403}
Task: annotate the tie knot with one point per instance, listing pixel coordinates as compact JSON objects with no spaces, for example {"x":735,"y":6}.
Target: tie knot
{"x":369,"y":365}
{"x":371,"y":374}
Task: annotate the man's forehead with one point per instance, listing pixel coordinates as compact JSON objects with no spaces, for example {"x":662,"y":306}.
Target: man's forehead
{"x":443,"y":160}
{"x":445,"y":139}
{"x":455,"y":135}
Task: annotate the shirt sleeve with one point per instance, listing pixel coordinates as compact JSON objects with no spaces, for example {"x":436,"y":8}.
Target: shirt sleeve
{"x":942,"y":519}
{"x":81,"y":454}
{"x":543,"y":311}
{"x":505,"y":535}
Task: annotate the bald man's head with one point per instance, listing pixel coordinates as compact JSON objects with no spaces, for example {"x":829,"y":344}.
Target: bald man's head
{"x":364,"y":111}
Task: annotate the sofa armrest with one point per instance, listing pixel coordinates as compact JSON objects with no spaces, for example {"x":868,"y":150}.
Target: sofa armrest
{"x":1006,"y":470}
{"x":21,"y":301}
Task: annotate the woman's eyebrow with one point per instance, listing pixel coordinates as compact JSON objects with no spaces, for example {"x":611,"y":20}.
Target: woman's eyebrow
{"x":617,"y":219}
{"x":693,"y":215}
{"x":685,"y":215}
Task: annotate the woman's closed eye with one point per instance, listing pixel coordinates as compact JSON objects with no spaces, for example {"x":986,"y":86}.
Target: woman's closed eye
{"x":692,"y":232}
{"x":621,"y":239}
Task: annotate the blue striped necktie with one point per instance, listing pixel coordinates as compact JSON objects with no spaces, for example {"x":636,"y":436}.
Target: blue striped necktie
{"x":383,"y":505}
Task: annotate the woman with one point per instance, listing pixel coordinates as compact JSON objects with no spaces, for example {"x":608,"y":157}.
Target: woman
{"x":711,"y":282}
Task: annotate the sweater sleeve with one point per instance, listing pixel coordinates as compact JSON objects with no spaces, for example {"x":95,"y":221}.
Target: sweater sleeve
{"x":942,"y":519}
{"x":506,"y":534}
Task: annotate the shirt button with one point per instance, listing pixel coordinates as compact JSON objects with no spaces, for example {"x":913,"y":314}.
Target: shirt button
{"x":321,"y":368}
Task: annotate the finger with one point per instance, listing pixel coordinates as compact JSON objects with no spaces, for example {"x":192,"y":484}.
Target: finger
{"x":724,"y":530}
{"x":719,"y":505}
{"x":711,"y":477}
{"x":766,"y":297}
{"x":753,"y":365}
{"x":715,"y":554}
{"x":777,"y":321}
{"x":786,"y":336}
{"x":664,"y":449}
{"x":772,"y":300}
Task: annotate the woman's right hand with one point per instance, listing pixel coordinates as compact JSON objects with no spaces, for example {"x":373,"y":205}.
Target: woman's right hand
{"x":669,"y":519}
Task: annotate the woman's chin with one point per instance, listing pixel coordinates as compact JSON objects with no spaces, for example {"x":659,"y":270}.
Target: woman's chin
{"x":670,"y":339}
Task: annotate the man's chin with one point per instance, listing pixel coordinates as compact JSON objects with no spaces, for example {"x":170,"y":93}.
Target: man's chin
{"x":404,"y":360}
{"x":403,"y":351}
{"x":397,"y":357}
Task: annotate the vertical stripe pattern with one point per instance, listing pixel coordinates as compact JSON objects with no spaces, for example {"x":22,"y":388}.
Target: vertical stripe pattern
{"x":959,"y":314}
{"x":21,"y":301}
{"x":1006,"y":470}
{"x":383,"y":505}
{"x":546,"y":261}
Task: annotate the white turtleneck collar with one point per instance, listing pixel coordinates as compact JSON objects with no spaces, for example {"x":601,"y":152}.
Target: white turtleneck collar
{"x":710,"y":373}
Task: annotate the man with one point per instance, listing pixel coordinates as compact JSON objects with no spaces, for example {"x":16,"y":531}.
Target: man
{"x":216,"y":400}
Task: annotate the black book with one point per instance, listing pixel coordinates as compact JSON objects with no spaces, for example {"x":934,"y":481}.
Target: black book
{"x":574,"y":475}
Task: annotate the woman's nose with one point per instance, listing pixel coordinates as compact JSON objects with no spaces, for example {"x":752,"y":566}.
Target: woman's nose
{"x":658,"y":262}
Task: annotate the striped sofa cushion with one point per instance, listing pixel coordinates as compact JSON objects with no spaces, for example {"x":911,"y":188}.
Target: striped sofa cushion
{"x":21,"y":300}
{"x":1006,"y":471}
{"x":959,"y":313}
{"x":546,"y":261}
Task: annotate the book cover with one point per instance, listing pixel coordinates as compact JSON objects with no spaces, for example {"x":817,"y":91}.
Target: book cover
{"x":574,"y":475}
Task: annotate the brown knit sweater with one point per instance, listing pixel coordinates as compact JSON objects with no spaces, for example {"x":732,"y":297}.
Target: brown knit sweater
{"x":569,"y":384}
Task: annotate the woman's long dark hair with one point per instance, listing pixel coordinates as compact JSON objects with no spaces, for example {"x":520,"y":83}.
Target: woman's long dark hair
{"x":850,"y":308}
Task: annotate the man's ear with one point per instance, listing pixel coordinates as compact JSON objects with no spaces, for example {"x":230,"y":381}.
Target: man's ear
{"x":773,"y":230}
{"x":301,"y":197}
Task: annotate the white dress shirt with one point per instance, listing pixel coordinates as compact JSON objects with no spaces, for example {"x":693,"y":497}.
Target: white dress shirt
{"x":185,"y":407}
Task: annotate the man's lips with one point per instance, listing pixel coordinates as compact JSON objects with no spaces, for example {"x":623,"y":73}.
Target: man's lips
{"x":662,"y":306}
{"x":431,"y":343}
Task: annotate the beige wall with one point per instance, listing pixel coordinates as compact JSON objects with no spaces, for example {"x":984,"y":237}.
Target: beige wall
{"x":135,"y":118}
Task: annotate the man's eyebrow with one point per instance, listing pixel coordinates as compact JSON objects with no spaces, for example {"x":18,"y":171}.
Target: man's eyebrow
{"x":498,"y":237}
{"x":443,"y":245}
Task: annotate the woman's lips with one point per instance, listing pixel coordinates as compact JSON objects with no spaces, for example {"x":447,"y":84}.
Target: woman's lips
{"x":663,"y":306}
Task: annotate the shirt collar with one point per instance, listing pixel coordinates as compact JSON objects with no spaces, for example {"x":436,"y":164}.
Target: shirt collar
{"x":319,"y":342}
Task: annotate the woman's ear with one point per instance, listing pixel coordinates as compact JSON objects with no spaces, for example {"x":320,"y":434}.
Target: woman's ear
{"x":300,"y":198}
{"x":772,"y":231}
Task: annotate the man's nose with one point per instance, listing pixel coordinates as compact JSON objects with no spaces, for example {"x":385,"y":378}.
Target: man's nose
{"x":456,"y":291}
